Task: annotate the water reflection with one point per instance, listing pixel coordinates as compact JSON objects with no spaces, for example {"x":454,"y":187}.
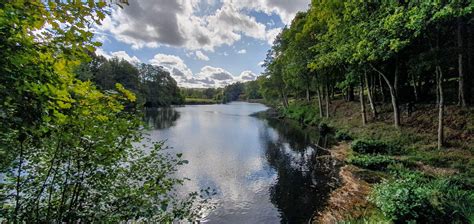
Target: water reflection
{"x":305,"y":174}
{"x":161,"y":118}
{"x":264,"y":171}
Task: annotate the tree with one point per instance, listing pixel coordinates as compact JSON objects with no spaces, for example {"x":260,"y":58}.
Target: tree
{"x":66,"y":146}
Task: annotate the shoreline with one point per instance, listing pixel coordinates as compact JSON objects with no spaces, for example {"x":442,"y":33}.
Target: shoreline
{"x":349,"y":200}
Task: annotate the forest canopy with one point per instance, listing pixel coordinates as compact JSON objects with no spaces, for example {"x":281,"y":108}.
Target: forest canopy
{"x":402,"y":52}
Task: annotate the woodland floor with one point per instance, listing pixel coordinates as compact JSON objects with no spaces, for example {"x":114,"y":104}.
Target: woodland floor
{"x":417,"y":136}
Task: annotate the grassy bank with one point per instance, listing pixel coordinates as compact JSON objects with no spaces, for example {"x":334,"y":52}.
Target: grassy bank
{"x":411,"y":180}
{"x":199,"y":101}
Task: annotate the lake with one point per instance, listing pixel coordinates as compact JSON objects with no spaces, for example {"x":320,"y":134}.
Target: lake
{"x":264,"y":171}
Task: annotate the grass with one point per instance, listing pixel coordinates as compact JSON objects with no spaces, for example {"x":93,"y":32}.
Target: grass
{"x":196,"y":101}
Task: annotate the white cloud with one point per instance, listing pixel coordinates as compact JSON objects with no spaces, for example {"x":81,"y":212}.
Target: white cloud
{"x":261,"y":63}
{"x":243,"y":51}
{"x":188,"y":24}
{"x":118,"y":54}
{"x":174,"y":64}
{"x":201,"y":56}
{"x":285,"y":9}
{"x":207,"y":77}
{"x":246,"y":76}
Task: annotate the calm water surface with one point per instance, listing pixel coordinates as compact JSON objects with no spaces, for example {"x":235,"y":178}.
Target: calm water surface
{"x":264,"y":171}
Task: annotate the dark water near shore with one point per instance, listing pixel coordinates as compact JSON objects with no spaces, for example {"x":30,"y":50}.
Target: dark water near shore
{"x":264,"y":171}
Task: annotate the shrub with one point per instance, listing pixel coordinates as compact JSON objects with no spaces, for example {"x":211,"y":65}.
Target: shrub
{"x":342,"y":135}
{"x":412,"y":197}
{"x":324,"y":128}
{"x":373,"y":162}
{"x":302,"y":112}
{"x":369,"y":146}
{"x":402,"y":200}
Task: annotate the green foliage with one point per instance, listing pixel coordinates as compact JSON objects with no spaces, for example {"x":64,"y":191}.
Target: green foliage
{"x":158,"y":87}
{"x":199,"y":93}
{"x":370,"y":146}
{"x":200,"y":101}
{"x":153,"y":85}
{"x":342,"y":135}
{"x":66,"y":147}
{"x":233,"y":92}
{"x":413,"y":197}
{"x":373,"y":162}
{"x":251,"y":90}
{"x":303,"y":112}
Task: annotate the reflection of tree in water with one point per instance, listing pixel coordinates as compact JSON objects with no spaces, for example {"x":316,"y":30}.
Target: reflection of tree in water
{"x":305,"y":178}
{"x":160,"y":118}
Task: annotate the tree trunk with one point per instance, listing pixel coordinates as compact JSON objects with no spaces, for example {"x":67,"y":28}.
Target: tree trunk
{"x":415,"y":88}
{"x":350,"y":93}
{"x":284,"y":100}
{"x":320,"y":103}
{"x":369,"y":94}
{"x":396,"y":114}
{"x":461,"y":97}
{"x":362,"y":103}
{"x":327,"y":102}
{"x":328,"y":90}
{"x":437,"y":88}
{"x":382,"y":92}
{"x":441,"y":107}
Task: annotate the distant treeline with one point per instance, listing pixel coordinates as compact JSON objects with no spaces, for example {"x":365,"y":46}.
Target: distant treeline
{"x":153,"y":85}
{"x":237,"y":91}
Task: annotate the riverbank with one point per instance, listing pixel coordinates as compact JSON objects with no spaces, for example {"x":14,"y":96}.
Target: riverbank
{"x":202,"y":101}
{"x":199,"y":101}
{"x":382,"y":160}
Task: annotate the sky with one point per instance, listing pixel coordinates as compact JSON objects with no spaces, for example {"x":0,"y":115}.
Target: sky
{"x":202,"y":43}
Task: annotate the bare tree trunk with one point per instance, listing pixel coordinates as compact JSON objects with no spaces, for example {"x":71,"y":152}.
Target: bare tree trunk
{"x":441,"y":107}
{"x":362,"y":103}
{"x":373,"y":89}
{"x":327,"y":102}
{"x":369,"y":94}
{"x":350,"y":93}
{"x":320,"y":103}
{"x":396,"y":114}
{"x":437,"y":89}
{"x":461,"y":97}
{"x":382,"y":92}
{"x":415,"y":88}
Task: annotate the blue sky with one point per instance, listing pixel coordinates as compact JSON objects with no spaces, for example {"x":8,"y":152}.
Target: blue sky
{"x":203,"y":43}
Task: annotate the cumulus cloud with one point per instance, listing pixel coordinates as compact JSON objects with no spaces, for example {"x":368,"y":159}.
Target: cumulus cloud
{"x":243,"y":51}
{"x":183,"y":23}
{"x":285,"y":9}
{"x":215,"y":73}
{"x":174,"y":64}
{"x":208,"y":76}
{"x":118,"y":54}
{"x":246,"y":76}
{"x":202,"y":56}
